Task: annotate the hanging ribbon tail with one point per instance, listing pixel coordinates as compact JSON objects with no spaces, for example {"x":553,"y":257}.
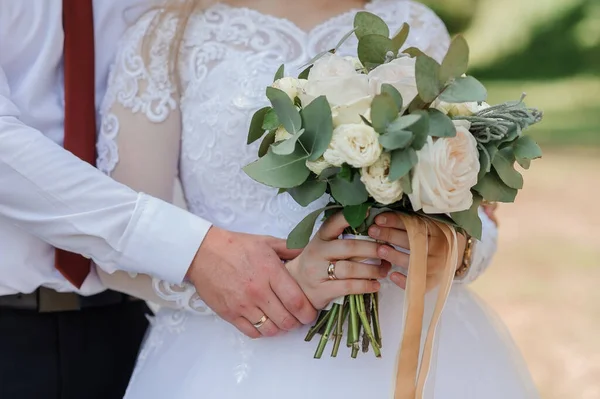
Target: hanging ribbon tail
{"x":410,"y":379}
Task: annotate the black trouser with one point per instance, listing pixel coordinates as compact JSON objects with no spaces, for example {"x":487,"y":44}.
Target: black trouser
{"x":84,"y":354}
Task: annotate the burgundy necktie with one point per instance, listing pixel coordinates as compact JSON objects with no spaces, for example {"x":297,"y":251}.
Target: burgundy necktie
{"x":80,"y":111}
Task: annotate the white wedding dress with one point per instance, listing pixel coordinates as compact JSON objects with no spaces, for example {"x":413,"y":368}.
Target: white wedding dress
{"x":150,"y":135}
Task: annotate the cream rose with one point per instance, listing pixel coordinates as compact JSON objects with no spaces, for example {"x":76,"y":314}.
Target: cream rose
{"x":354,"y":144}
{"x":281,"y":134}
{"x":375,"y":179}
{"x":399,"y":73}
{"x":318,"y":166}
{"x":356,"y":62}
{"x":446,"y":172}
{"x":460,"y":109}
{"x":291,"y":86}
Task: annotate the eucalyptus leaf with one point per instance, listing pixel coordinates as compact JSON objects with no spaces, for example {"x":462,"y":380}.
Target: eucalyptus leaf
{"x":383,"y":112}
{"x":420,"y":130}
{"x":300,"y":236}
{"x":397,"y":139}
{"x":414,"y":52}
{"x":493,"y":189}
{"x":394,"y":93}
{"x":366,"y":121}
{"x":348,"y":193}
{"x":280,"y":73}
{"x":282,"y":191}
{"x":504,"y":164}
{"x":526,"y":149}
{"x":440,"y":125}
{"x":525,"y":163}
{"x":406,"y":183}
{"x":281,"y":171}
{"x":266,"y":144}
{"x":256,"y":131}
{"x":428,"y":78}
{"x":346,"y":173}
{"x":400,"y":38}
{"x":285,"y":109}
{"x":314,"y":59}
{"x":485,"y":164}
{"x":372,"y":50}
{"x":404,"y":122}
{"x":469,"y":220}
{"x":318,"y":126}
{"x":464,"y":90}
{"x":288,"y":146}
{"x":366,"y":23}
{"x":402,"y":163}
{"x":329,"y":173}
{"x":355,"y":215}
{"x":308,"y":192}
{"x":417,"y":104}
{"x":304,"y":74}
{"x":270,"y":121}
{"x":456,"y":62}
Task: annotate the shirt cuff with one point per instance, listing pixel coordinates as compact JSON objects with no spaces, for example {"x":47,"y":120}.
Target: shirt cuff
{"x":162,"y":240}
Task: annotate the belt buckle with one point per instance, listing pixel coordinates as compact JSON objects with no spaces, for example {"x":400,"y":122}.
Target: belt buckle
{"x":52,"y":301}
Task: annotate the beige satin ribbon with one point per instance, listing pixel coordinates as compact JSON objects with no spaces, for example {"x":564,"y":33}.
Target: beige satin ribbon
{"x":410,"y":378}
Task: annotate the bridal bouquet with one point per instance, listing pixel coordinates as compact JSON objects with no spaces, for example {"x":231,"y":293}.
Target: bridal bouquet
{"x":390,"y":130}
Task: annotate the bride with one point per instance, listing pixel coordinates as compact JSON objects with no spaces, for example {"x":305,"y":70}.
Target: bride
{"x":191,"y":121}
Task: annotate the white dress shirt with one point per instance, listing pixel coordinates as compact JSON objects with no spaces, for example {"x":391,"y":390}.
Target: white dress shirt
{"x":48,"y":197}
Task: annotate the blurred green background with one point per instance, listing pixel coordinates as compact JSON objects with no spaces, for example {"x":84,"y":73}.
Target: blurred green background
{"x":545,"y":279}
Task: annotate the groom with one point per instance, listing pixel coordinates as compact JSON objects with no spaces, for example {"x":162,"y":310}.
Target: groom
{"x":61,"y":334}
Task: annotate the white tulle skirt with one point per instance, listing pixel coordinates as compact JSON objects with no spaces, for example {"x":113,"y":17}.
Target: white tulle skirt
{"x":187,"y":356}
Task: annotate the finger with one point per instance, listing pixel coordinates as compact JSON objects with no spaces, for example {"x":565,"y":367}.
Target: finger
{"x":391,"y":235}
{"x":390,"y":219}
{"x":246,"y":328}
{"x":345,"y":269}
{"x":292,"y":297}
{"x":348,"y":249}
{"x":254,"y":315}
{"x":384,"y":268}
{"x":340,"y":288}
{"x":281,"y":249}
{"x":278,"y":314}
{"x":333,"y":227}
{"x":393,"y":256}
{"x":399,"y":279}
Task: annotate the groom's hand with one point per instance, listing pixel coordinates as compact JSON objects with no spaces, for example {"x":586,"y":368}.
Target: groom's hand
{"x":241,"y":278}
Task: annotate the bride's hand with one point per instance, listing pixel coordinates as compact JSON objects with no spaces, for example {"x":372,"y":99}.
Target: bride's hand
{"x":310,"y":268}
{"x":388,"y":227}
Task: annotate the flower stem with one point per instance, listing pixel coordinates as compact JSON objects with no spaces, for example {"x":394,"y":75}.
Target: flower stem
{"x":367,"y":326}
{"x":375,"y":317}
{"x":339,"y":328}
{"x":331,"y":319}
{"x":321,"y":320}
{"x":354,"y":324}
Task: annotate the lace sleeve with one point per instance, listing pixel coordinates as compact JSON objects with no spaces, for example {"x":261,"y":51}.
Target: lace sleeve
{"x":139,"y":144}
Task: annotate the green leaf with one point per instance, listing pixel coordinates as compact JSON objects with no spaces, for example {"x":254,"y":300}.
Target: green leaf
{"x":456,"y":62}
{"x":282,"y":191}
{"x":308,"y":192}
{"x":266,"y":144}
{"x":346,"y":173}
{"x":348,"y":193}
{"x":314,"y":59}
{"x":318,"y":126}
{"x":390,"y":90}
{"x":463,"y":90}
{"x":304,"y":74}
{"x":397,"y":139}
{"x":280,"y":72}
{"x":525,"y":163}
{"x":270,"y":122}
{"x":402,"y":163}
{"x":469,"y":220}
{"x":383,"y":112}
{"x":504,"y":164}
{"x":493,"y":189}
{"x":440,"y":125}
{"x":355,"y":215}
{"x":420,"y":130}
{"x":285,"y":109}
{"x":300,"y":236}
{"x":366,"y":24}
{"x":414,"y":52}
{"x":281,"y":171}
{"x":366,"y":121}
{"x":400,"y":38}
{"x":406,"y":183}
{"x":256,"y":131}
{"x":417,"y":104}
{"x":288,"y":146}
{"x":526,"y":149}
{"x":404,"y":122}
{"x":428,"y":78}
{"x":329,"y":173}
{"x":372,"y":49}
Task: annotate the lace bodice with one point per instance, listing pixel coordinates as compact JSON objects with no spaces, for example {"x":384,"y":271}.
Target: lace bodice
{"x":228,"y":57}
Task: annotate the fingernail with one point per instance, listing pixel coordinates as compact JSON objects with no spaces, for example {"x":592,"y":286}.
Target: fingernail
{"x":375,"y":231}
{"x":376,"y":286}
{"x":383,"y":251}
{"x":382,"y":220}
{"x":383,"y":272}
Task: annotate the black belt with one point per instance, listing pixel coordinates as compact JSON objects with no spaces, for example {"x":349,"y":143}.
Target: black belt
{"x":45,"y":300}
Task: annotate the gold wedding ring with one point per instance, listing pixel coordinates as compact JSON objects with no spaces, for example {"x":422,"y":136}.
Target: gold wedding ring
{"x":331,"y":271}
{"x":261,"y":322}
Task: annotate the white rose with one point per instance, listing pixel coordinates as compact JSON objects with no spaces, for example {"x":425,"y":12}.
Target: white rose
{"x":291,"y":86}
{"x":356,"y":62}
{"x":350,"y":113}
{"x":281,"y":134}
{"x":354,"y":144}
{"x":446,"y":172}
{"x":460,"y":109}
{"x":318,"y":166}
{"x":331,"y":66}
{"x":399,"y":73}
{"x":375,"y":179}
